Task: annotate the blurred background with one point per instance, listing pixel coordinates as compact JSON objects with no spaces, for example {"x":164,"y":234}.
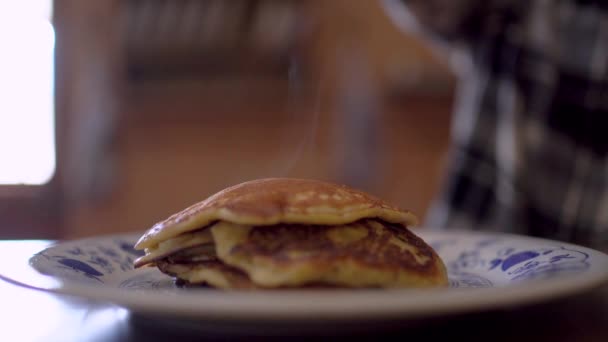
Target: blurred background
{"x":115,"y":114}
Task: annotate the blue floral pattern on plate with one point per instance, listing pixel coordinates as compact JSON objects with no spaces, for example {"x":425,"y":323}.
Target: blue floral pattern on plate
{"x":89,"y":260}
{"x":473,"y":261}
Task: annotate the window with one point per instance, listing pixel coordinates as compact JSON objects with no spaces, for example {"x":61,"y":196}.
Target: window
{"x":27,"y":141}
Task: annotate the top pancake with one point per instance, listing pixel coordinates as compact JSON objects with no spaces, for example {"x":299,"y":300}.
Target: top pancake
{"x":278,"y":200}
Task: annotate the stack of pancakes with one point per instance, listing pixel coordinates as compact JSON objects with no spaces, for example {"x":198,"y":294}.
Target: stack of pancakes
{"x":280,"y":233}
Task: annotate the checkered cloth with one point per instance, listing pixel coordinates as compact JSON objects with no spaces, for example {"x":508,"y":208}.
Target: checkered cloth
{"x":530,"y":128}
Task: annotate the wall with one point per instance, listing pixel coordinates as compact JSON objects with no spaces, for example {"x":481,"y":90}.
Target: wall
{"x":175,"y":144}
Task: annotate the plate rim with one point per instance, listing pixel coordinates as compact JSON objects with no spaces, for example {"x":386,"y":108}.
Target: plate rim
{"x":380,"y":304}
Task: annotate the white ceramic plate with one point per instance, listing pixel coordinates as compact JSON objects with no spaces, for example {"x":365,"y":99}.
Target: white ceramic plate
{"x":486,"y":270}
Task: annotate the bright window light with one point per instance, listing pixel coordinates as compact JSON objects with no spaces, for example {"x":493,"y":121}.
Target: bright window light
{"x":27,"y":139}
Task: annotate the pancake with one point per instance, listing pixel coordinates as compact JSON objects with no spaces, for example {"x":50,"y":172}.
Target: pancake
{"x":366,"y":253}
{"x":211,"y":272}
{"x":277,"y":200}
{"x":175,"y":245}
{"x":292,"y":233}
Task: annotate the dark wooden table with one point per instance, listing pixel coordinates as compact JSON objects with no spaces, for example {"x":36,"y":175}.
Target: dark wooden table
{"x":32,"y":315}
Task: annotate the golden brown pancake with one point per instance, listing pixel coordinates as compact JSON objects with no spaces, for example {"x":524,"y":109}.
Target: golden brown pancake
{"x":277,"y":200}
{"x":366,"y":253}
{"x":175,"y":245}
{"x":292,"y":233}
{"x":211,"y":272}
